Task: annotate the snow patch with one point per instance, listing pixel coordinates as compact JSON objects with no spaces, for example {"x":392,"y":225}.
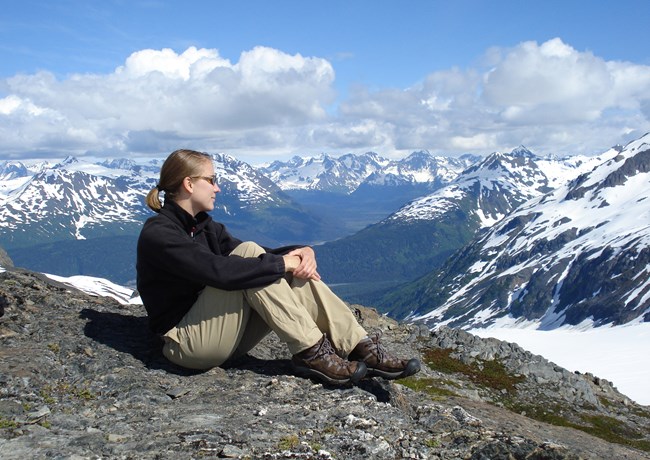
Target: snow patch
{"x":618,"y":354}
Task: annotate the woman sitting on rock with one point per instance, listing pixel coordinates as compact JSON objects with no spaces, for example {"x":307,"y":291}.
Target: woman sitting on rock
{"x":213,"y":297}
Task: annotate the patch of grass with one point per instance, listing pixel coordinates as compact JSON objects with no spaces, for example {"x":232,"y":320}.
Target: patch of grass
{"x":547,"y":413}
{"x":330,"y":430}
{"x":491,"y":374}
{"x":604,"y":427}
{"x":431,"y":443}
{"x":288,"y":442}
{"x":605,"y":402}
{"x":45,"y":424}
{"x":433,"y":387}
{"x":63,"y":389}
{"x":641,"y":412}
{"x":47,"y":396}
{"x":5,"y":423}
{"x":613,"y":430}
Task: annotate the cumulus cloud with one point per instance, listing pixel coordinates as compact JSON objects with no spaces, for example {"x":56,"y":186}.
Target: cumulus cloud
{"x":196,"y":95}
{"x":549,"y":96}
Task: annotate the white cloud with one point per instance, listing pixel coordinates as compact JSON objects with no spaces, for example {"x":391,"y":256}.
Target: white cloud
{"x":193,"y":96}
{"x":191,"y":63}
{"x":554,"y":83}
{"x":550,"y":97}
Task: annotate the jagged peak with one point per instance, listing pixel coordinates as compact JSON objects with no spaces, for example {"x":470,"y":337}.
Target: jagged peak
{"x":419,"y":154}
{"x":67,"y":161}
{"x":522,"y":151}
{"x":12,"y":169}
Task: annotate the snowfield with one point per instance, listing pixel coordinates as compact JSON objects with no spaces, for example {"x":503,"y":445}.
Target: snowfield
{"x":620,"y":354}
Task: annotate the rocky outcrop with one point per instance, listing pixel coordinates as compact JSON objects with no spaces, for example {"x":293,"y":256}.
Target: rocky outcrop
{"x":81,"y":377}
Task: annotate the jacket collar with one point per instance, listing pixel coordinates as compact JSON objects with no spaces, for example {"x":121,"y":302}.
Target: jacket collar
{"x":189,"y":223}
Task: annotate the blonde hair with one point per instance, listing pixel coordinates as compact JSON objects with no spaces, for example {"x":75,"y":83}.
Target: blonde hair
{"x":178,"y":165}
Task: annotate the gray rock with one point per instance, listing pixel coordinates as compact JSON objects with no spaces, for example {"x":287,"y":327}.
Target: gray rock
{"x":81,"y":377}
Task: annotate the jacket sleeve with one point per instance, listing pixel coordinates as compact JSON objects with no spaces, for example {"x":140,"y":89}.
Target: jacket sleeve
{"x":227,"y":243}
{"x":178,"y":255}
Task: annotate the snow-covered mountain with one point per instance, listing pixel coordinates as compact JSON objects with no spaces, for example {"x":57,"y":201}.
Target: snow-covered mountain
{"x":419,"y":237}
{"x":62,"y":218}
{"x":324,"y":172}
{"x":69,"y":200}
{"x":347,"y":173}
{"x":494,"y":186}
{"x":421,"y":168}
{"x":244,"y":186}
{"x":77,"y":199}
{"x":578,"y":255}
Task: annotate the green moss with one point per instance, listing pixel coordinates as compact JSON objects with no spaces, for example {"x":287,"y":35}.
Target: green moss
{"x":64,"y":390}
{"x":491,"y":374}
{"x":4,"y":423}
{"x":431,"y":442}
{"x":288,"y":442}
{"x":601,"y":426}
{"x":330,"y":430}
{"x":614,"y":430}
{"x":605,"y":402}
{"x":547,"y":413}
{"x":436,"y":388}
{"x":641,"y":412}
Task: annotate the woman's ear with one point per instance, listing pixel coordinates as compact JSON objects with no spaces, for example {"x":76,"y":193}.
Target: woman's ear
{"x":188,"y":185}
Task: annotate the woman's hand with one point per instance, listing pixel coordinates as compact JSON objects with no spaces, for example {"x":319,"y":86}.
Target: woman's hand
{"x":306,"y":269}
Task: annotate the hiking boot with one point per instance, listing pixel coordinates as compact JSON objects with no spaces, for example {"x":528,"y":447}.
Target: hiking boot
{"x":380,"y":362}
{"x":322,"y":363}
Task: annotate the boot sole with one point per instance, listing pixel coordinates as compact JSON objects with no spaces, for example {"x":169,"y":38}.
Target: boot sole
{"x":308,"y":372}
{"x":412,"y":367}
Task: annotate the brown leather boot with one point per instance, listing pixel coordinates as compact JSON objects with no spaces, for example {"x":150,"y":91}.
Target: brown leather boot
{"x":380,"y":362}
{"x":321,"y":362}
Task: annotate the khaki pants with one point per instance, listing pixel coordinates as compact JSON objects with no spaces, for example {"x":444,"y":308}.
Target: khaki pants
{"x":225,"y":324}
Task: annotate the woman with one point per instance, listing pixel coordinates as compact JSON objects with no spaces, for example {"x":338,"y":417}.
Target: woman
{"x":213,"y":297}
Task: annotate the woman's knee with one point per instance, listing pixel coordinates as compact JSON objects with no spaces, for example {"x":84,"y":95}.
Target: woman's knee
{"x":248,"y":249}
{"x":201,"y":359}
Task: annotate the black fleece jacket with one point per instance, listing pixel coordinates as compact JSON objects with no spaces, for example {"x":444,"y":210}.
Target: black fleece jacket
{"x":179,"y":255}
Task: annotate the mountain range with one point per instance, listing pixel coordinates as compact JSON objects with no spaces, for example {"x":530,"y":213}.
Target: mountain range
{"x":577,"y":255}
{"x":421,"y":235}
{"x":466,"y":241}
{"x":79,"y":217}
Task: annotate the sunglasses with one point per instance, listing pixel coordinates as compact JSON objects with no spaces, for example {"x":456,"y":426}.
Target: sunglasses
{"x":211,"y":179}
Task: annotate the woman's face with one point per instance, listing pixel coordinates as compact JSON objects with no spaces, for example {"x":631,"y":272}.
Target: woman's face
{"x":205,"y":189}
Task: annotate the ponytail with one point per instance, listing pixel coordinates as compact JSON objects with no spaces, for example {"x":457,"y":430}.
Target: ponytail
{"x":153,"y":199}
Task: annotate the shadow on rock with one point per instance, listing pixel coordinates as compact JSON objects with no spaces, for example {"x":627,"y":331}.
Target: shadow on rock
{"x":131,"y":334}
{"x":269,"y":367}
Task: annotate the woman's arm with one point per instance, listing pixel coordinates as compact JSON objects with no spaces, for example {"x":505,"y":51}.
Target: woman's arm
{"x":169,"y":251}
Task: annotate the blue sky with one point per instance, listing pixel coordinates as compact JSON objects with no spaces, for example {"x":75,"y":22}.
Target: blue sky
{"x":271,"y":79}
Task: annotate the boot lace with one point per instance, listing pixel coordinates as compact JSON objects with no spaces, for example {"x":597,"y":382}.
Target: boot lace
{"x":324,"y":349}
{"x":379,"y":349}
